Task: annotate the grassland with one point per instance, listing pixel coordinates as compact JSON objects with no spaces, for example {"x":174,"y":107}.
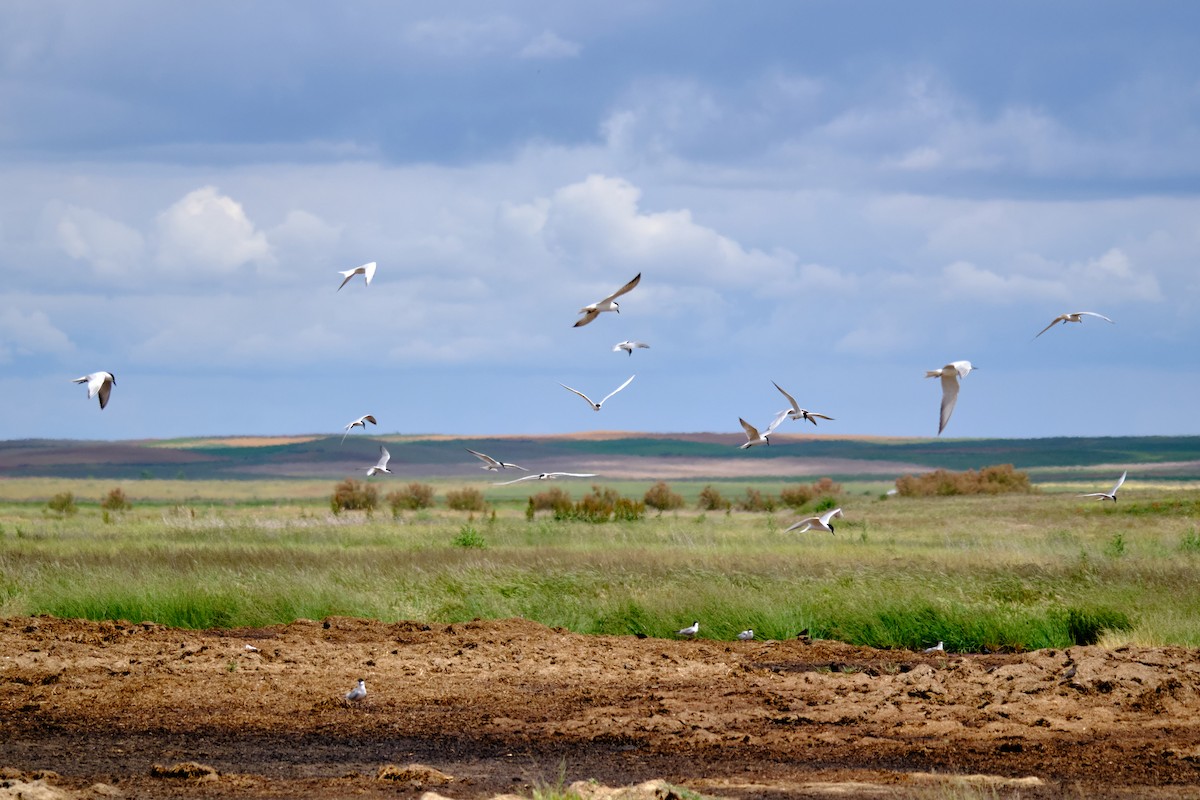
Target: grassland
{"x":1009,"y":572}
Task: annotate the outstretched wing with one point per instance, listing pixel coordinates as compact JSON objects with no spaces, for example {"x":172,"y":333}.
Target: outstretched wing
{"x":1092,"y":314}
{"x":486,"y":459}
{"x":794,"y":405}
{"x":627,"y":287}
{"x":619,"y":388}
{"x":751,"y":431}
{"x":105,"y":389}
{"x":581,"y":394}
{"x":775,"y":422}
{"x":949,"y":396}
{"x":518,"y":480}
{"x":588,"y":316}
{"x":803,"y":525}
{"x":1055,"y":321}
{"x":1120,"y":481}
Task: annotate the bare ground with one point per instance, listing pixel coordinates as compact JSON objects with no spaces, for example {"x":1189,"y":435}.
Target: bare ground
{"x":485,"y":708}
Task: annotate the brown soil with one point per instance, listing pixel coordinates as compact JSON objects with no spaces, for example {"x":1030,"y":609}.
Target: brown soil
{"x":477,"y":709}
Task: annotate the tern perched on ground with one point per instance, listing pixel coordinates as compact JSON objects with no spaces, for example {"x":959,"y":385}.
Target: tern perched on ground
{"x":821,"y":523}
{"x":100,"y":383}
{"x":384,"y":457}
{"x":547,"y":476}
{"x":1109,"y":495}
{"x":491,"y":463}
{"x":361,"y":422}
{"x":950,"y":375}
{"x":596,"y":406}
{"x":629,"y":347}
{"x":937,"y":648}
{"x":796,"y":412}
{"x":746,"y":635}
{"x":753,"y":437}
{"x":366,"y":270}
{"x":1073,"y":316}
{"x":690,"y":630}
{"x":358,"y":692}
{"x":590,"y":312}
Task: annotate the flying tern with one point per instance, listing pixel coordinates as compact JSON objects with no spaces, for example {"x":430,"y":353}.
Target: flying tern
{"x":593,"y":310}
{"x":1073,"y":316}
{"x":491,"y":463}
{"x":358,"y":692}
{"x":746,"y":635}
{"x":821,"y":523}
{"x":384,"y":457}
{"x":690,"y":630}
{"x":950,"y":375}
{"x":100,"y":383}
{"x":361,"y":422}
{"x":366,"y":270}
{"x":547,"y":476}
{"x":596,"y":406}
{"x":1111,"y":494}
{"x":796,"y":412}
{"x":629,"y":347}
{"x":753,"y":437}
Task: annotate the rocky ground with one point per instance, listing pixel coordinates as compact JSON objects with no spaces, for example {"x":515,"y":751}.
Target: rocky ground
{"x":486,"y":708}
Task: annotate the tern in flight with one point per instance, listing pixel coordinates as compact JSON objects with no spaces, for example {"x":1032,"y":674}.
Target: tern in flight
{"x":1073,"y":316}
{"x":690,"y":630}
{"x":746,"y":635}
{"x":366,"y":270}
{"x":590,"y":312}
{"x":950,"y":375}
{"x":358,"y":692}
{"x":384,"y":457}
{"x":548,"y":476}
{"x":1111,"y":494}
{"x":796,"y":412}
{"x":361,"y":422}
{"x":98,"y":383}
{"x":821,"y":523}
{"x":491,"y":463}
{"x":753,"y":437}
{"x":629,"y":347}
{"x":596,"y":406}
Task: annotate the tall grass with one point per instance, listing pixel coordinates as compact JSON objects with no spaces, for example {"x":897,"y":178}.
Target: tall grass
{"x":976,"y":572}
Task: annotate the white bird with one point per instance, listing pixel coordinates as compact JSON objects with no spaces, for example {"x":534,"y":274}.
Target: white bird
{"x":1109,"y":495}
{"x":384,"y":457}
{"x":361,"y":422}
{"x":596,"y":406}
{"x":950,"y":375}
{"x":1073,"y":316}
{"x":690,"y":630}
{"x":591,"y":311}
{"x":366,"y":270}
{"x":753,"y":437}
{"x":547,"y":476}
{"x":821,"y":523}
{"x":358,"y":692}
{"x":796,"y":412}
{"x":746,"y":635}
{"x":629,"y":346}
{"x":491,"y":463}
{"x":100,"y":383}
{"x":250,"y":648}
{"x":937,"y":648}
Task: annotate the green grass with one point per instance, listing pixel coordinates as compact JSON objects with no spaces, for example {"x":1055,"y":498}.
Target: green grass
{"x":1019,"y":572}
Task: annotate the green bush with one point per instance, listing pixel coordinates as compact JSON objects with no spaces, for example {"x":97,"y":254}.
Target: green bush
{"x":116,"y":501}
{"x":998,"y":479}
{"x":469,"y":537}
{"x":660,"y":497}
{"x":413,"y":497}
{"x":62,"y":503}
{"x":711,"y":500}
{"x":466,"y":499}
{"x":354,"y":495}
{"x":553,"y":499}
{"x":798,"y":495}
{"x":754,"y":500}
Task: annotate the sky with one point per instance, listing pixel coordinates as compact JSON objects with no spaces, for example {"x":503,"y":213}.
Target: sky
{"x":832,"y":196}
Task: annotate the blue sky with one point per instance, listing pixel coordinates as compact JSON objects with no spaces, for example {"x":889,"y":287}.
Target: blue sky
{"x":832,"y":196}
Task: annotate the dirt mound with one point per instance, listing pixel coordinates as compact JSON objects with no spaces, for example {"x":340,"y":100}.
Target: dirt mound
{"x":502,"y":706}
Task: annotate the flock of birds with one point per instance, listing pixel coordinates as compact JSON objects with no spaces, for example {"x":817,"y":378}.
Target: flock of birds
{"x":100,"y":384}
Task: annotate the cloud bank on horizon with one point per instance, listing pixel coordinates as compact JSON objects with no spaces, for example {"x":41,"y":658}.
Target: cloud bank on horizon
{"x":833,"y":198}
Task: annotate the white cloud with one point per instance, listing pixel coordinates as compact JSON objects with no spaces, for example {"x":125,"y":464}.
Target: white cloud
{"x":111,"y":247}
{"x":549,"y":45}
{"x":456,"y":37}
{"x":963,"y":280}
{"x":206,"y":231}
{"x":28,"y":334}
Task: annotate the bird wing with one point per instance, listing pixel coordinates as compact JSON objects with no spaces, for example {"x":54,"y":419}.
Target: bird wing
{"x":627,"y":287}
{"x":751,"y":431}
{"x":483,"y":457}
{"x":1055,"y":321}
{"x":1092,"y":314}
{"x":775,"y":422}
{"x":588,"y":316}
{"x":949,"y":396}
{"x":828,"y":515}
{"x":104,"y":390}
{"x":348,"y":273}
{"x":518,"y":480}
{"x":368,"y":271}
{"x":790,"y":399}
{"x":819,"y":416}
{"x":581,"y":394}
{"x":384,"y":457}
{"x":642,"y":345}
{"x":619,"y":346}
{"x":1120,"y":481}
{"x":803,"y":525}
{"x":369,"y":419}
{"x":619,"y":388}
{"x":570,"y":474}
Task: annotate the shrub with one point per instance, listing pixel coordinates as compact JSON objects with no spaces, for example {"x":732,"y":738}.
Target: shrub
{"x":62,"y":503}
{"x":998,"y":479}
{"x":354,"y":495}
{"x":468,"y":536}
{"x":116,"y":501}
{"x":661,"y":497}
{"x":553,"y":499}
{"x":413,"y":497}
{"x":466,"y":499}
{"x":754,"y":500}
{"x":797,"y":495}
{"x":601,"y":505}
{"x":711,"y":500}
